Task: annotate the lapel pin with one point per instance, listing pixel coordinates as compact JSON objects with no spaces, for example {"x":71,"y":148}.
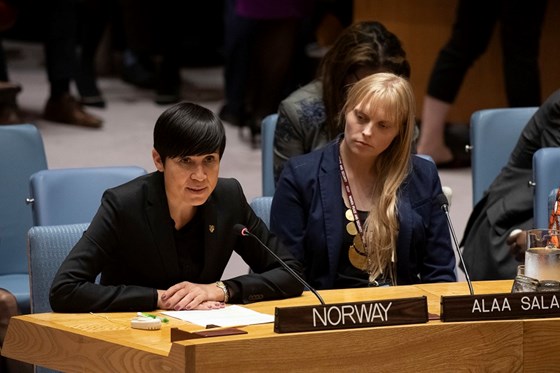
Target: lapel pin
{"x":211,"y":228}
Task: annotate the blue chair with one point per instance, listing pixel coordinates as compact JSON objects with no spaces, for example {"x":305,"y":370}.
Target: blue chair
{"x":493,"y":135}
{"x":48,"y":246}
{"x":546,"y":177}
{"x":73,"y":195}
{"x":22,"y":153}
{"x":261,"y":207}
{"x":268,"y":126}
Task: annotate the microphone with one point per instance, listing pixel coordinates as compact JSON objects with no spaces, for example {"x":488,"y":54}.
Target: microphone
{"x":242,"y":230}
{"x":442,"y":200}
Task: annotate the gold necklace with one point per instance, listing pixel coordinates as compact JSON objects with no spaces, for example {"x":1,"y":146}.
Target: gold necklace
{"x":356,"y":252}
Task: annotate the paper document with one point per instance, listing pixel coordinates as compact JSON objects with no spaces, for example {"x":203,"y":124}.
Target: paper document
{"x":228,"y":316}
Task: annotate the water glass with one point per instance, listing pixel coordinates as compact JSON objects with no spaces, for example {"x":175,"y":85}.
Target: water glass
{"x":523,"y":283}
{"x":542,"y":258}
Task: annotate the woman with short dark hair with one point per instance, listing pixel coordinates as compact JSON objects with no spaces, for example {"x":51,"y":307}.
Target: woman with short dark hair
{"x":164,"y":239}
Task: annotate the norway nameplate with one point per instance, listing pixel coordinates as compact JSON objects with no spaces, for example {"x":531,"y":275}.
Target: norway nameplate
{"x":351,"y":315}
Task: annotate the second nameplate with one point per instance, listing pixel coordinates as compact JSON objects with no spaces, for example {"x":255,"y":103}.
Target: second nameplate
{"x":500,"y":306}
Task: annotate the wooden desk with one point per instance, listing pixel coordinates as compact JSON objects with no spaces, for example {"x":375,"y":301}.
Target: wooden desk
{"x":106,"y":343}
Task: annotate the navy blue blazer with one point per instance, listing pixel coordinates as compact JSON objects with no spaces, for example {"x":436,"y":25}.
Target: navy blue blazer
{"x":308,"y":215}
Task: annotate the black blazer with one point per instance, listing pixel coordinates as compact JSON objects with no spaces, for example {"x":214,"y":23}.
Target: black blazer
{"x":130,"y":242}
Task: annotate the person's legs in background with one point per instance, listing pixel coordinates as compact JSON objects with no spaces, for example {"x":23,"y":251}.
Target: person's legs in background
{"x":61,"y":60}
{"x":137,"y":65}
{"x":238,"y":35}
{"x":169,"y":34}
{"x":94,"y":15}
{"x":272,"y":73}
{"x":472,"y":30}
{"x":521,"y":26}
{"x":9,"y":112}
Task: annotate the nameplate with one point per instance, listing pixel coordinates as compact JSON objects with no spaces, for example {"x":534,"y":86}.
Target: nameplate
{"x":351,"y":315}
{"x":500,"y":306}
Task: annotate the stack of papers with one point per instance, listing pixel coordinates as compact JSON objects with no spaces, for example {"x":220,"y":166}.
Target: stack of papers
{"x":228,"y":316}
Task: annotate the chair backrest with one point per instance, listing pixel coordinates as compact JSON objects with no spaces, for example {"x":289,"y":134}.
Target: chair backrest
{"x":21,"y":154}
{"x":73,"y":195}
{"x":268,"y":127}
{"x":261,"y":207}
{"x":48,"y":246}
{"x":546,"y":176}
{"x":446,"y":189}
{"x":493,"y":135}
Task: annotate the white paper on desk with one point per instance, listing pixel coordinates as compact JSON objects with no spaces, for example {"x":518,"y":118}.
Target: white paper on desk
{"x":228,"y":316}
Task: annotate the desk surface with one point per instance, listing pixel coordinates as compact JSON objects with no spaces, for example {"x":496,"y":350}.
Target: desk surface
{"x":105,"y":342}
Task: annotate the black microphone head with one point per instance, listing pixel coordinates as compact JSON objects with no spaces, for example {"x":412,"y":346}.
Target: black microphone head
{"x":442,"y":200}
{"x":239,"y":229}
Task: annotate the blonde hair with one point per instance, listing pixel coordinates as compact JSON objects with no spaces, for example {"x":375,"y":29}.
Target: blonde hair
{"x":381,"y":227}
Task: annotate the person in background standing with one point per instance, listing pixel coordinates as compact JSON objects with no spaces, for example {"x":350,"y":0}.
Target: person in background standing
{"x":263,"y":40}
{"x":475,"y":20}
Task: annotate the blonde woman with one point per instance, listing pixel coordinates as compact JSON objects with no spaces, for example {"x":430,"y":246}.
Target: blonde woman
{"x":363,"y":211}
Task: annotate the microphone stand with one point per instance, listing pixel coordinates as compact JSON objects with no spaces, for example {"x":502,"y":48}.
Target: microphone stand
{"x":445,"y":209}
{"x":245,"y":232}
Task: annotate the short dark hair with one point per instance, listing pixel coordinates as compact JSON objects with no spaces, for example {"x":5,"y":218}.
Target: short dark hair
{"x":187,"y":129}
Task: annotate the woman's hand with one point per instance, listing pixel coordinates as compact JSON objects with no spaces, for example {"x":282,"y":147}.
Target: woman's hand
{"x":190,"y":296}
{"x":517,"y":241}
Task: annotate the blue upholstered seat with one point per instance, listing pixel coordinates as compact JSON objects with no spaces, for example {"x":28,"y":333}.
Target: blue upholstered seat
{"x":48,"y":246}
{"x":261,"y":207}
{"x":73,"y":195}
{"x":21,"y":154}
{"x":268,"y":127}
{"x":493,"y":135}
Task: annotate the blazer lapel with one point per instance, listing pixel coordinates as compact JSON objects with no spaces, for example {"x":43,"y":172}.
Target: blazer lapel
{"x":157,"y":212}
{"x":404,"y":238}
{"x":330,"y":188}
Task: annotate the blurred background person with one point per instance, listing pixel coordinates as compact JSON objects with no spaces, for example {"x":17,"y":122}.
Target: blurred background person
{"x":263,"y":41}
{"x":308,"y":118}
{"x":475,"y":20}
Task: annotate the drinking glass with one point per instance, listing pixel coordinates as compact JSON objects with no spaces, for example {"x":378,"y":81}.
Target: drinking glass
{"x":523,"y":283}
{"x":542,"y":259}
